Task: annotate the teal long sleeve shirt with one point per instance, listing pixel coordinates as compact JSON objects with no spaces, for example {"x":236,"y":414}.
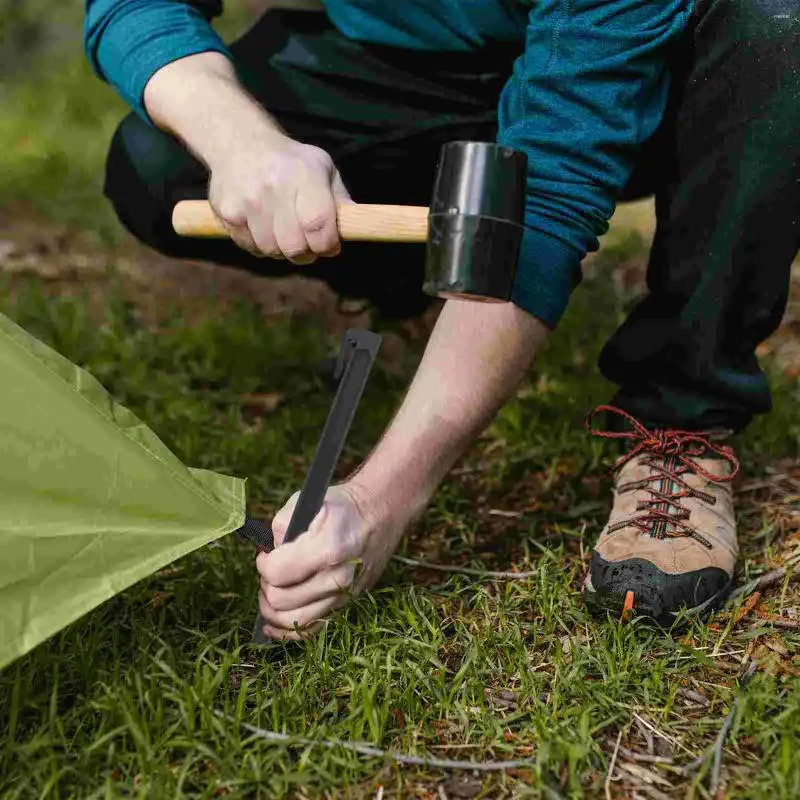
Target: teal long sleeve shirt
{"x":589,"y":89}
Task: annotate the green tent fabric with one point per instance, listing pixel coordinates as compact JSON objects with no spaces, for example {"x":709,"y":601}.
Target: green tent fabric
{"x":91,"y":501}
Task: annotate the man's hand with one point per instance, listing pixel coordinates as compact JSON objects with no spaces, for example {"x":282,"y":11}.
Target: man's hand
{"x":278,"y":198}
{"x":275,"y":196}
{"x":344,"y":552}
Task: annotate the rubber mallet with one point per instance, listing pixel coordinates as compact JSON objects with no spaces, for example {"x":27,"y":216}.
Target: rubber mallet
{"x":472,"y":229}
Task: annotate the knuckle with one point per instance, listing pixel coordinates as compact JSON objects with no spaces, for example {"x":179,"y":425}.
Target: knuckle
{"x":315,"y":221}
{"x":320,"y":156}
{"x":345,"y":578}
{"x":253,"y":199}
{"x":267,"y":572}
{"x":231,"y":212}
{"x":273,"y":597}
{"x":334,"y":553}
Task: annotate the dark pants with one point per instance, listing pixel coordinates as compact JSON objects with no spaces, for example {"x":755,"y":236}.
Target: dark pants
{"x":724,"y":166}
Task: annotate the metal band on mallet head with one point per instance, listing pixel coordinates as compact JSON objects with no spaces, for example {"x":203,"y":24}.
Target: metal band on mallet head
{"x":475,"y":222}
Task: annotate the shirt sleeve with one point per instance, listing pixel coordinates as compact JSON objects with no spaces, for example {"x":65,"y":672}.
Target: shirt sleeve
{"x":127,"y":41}
{"x":590,"y":88}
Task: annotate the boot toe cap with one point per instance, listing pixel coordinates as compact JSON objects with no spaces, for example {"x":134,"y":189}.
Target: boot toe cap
{"x":656,"y":594}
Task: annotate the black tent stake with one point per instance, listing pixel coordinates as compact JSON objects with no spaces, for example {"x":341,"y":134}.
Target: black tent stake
{"x":357,"y":354}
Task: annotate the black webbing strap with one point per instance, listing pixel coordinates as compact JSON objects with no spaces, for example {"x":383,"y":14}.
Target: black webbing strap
{"x":257,"y":532}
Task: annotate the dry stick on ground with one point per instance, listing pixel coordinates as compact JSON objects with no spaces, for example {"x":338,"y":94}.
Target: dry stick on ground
{"x":375,"y":752}
{"x":611,"y":766}
{"x":774,"y":619}
{"x":725,"y":730}
{"x":645,"y":757}
{"x":719,"y":743}
{"x":652,"y":792}
{"x":759,"y":584}
{"x":481,"y":573}
{"x":643,"y":781}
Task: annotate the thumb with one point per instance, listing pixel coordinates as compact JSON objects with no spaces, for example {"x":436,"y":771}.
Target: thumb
{"x":280,"y":522}
{"x":339,"y":190}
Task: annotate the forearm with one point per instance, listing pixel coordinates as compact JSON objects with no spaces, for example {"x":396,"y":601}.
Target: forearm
{"x":474,"y":361}
{"x":199,"y":100}
{"x":128,"y":41}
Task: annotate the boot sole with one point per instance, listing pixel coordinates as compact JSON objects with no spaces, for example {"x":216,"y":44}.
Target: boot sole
{"x":613,"y":604}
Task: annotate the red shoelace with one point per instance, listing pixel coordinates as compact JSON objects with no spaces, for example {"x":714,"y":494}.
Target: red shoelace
{"x":672,"y":455}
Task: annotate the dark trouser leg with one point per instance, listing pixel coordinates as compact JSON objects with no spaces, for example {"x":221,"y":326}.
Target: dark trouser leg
{"x":382,"y":114}
{"x":728,"y":211}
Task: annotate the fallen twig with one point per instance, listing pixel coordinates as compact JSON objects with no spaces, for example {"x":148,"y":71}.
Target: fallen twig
{"x":671,"y":739}
{"x":695,"y":697}
{"x":776,"y":620}
{"x":651,"y":791}
{"x":648,"y":758}
{"x":719,"y":743}
{"x":610,"y":772}
{"x":645,"y":775}
{"x":722,"y":736}
{"x":759,"y":584}
{"x":375,"y":752}
{"x":483,"y":573}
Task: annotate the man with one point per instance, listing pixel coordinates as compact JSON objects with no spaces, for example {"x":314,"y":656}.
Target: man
{"x":697,"y":103}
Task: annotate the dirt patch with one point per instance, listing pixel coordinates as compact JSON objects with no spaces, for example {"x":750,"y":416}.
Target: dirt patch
{"x":64,"y":259}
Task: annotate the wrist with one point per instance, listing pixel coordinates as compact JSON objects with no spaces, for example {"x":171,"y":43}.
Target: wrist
{"x":384,"y":506}
{"x":240,"y":139}
{"x":406,"y":468}
{"x":200,"y":100}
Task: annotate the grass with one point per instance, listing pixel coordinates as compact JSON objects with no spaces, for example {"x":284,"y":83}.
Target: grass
{"x":57,"y":117}
{"x":122,"y":704}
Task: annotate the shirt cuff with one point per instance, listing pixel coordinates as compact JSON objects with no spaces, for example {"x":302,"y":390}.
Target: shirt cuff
{"x":149,"y":48}
{"x":547,"y":272}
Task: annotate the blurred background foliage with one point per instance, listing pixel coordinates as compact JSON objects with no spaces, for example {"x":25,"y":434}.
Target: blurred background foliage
{"x":56,"y":117}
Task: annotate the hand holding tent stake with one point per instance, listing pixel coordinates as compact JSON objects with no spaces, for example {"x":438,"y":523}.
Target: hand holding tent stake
{"x":357,"y":354}
{"x":473,"y":227}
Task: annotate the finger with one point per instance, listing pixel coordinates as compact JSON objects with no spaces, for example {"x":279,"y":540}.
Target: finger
{"x":297,"y":561}
{"x":261,"y":223}
{"x":281,"y":635}
{"x":316,"y":212}
{"x":314,"y":551}
{"x":335,"y":580}
{"x":280,"y":522}
{"x":290,"y":237}
{"x":339,"y":190}
{"x":242,"y":237}
{"x":300,"y":617}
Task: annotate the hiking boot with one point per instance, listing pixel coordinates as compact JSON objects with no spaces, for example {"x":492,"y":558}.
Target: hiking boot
{"x":670,"y":542}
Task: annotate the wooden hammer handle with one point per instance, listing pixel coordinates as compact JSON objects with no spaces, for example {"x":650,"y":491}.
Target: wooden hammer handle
{"x":357,"y":222}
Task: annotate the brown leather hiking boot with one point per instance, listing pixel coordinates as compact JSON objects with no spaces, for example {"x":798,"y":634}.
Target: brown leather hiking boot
{"x":670,"y":542}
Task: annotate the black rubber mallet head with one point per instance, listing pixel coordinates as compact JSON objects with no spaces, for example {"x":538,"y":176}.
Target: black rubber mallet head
{"x":475,"y":222}
{"x":472,"y":229}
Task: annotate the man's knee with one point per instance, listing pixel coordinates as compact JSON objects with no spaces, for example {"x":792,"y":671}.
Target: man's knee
{"x":147,"y":172}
